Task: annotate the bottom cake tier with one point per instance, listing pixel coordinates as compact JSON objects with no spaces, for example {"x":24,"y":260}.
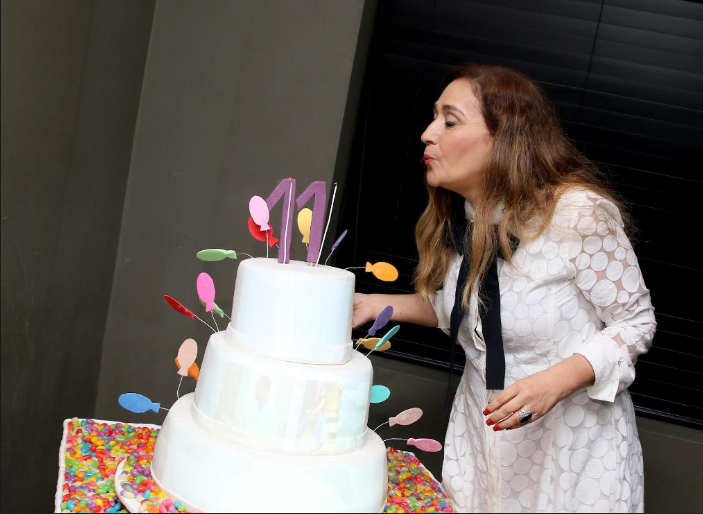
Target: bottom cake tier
{"x":210,"y":474}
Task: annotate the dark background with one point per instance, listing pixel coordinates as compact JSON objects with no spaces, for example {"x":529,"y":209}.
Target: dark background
{"x":626,"y":78}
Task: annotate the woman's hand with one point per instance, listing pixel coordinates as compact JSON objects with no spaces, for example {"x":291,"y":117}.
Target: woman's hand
{"x":364,"y":309}
{"x":539,"y":393}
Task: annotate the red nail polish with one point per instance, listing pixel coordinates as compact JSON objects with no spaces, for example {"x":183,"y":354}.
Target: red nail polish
{"x":489,"y":422}
{"x":496,"y":428}
{"x":486,"y":412}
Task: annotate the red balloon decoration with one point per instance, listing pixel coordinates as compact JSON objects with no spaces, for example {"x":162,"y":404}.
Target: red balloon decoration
{"x":260,"y":235}
{"x":178,"y":306}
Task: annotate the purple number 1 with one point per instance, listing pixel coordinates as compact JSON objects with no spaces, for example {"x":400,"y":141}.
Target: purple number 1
{"x":317,"y":189}
{"x":286,"y":190}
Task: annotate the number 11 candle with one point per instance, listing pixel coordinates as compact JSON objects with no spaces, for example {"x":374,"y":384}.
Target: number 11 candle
{"x":285,"y":191}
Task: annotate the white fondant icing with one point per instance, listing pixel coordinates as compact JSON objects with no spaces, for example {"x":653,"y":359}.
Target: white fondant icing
{"x":293,"y":312}
{"x":209,"y":474}
{"x":273,"y":405}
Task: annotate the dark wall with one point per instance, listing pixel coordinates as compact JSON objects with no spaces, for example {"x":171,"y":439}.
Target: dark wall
{"x":71,"y":81}
{"x":625,"y":77}
{"x":236,"y":96}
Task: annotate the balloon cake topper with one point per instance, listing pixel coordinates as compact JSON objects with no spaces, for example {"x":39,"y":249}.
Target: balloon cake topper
{"x":313,"y":229}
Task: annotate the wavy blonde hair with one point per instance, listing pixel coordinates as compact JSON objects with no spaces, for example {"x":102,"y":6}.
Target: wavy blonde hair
{"x":530,"y":164}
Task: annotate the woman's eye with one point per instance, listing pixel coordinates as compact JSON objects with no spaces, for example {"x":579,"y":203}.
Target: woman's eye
{"x":450,"y":123}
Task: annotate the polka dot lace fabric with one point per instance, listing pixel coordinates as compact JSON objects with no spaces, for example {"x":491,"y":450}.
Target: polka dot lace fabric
{"x":576,"y":288}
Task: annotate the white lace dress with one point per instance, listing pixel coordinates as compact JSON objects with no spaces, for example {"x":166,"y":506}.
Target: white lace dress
{"x":577,"y":288}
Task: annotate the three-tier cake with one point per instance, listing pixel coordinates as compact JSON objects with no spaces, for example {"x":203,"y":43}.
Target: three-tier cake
{"x":281,"y":404}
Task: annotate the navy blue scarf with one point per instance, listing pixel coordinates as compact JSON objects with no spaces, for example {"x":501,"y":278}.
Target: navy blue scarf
{"x":490,"y":313}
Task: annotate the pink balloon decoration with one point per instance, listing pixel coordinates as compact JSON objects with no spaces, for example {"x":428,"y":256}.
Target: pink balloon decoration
{"x":206,"y":291}
{"x":426,"y":445}
{"x":259,"y":212}
{"x":186,"y":356}
{"x":407,"y":417}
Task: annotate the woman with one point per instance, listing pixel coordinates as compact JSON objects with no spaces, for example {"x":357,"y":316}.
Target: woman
{"x":551,"y":309}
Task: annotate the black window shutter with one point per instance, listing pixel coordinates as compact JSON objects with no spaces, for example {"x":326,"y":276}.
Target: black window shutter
{"x":626,"y":78}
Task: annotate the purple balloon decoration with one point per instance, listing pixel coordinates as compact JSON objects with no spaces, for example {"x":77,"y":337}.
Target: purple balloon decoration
{"x":339,"y":240}
{"x":382,"y":320}
{"x":426,"y":445}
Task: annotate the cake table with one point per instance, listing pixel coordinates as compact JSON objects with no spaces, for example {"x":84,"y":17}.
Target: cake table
{"x":91,"y":451}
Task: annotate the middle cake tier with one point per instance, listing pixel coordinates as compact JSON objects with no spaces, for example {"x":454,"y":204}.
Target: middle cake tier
{"x":273,"y":405}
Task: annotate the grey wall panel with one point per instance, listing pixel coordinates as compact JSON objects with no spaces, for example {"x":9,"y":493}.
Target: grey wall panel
{"x":237,"y":95}
{"x":71,"y":81}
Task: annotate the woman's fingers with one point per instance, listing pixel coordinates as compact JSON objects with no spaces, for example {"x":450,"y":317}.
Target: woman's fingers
{"x":504,"y":416}
{"x":499,"y":401}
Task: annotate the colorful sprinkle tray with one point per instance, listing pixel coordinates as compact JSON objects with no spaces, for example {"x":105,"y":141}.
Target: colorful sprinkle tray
{"x":91,"y":451}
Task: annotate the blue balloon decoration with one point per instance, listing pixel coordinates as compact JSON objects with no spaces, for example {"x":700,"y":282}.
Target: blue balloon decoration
{"x":379,"y":393}
{"x":135,"y":402}
{"x":388,"y":335}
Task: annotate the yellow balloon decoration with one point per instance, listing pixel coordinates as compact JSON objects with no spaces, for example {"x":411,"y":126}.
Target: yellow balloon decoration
{"x":383,"y":271}
{"x":370,"y":343}
{"x":304,"y":223}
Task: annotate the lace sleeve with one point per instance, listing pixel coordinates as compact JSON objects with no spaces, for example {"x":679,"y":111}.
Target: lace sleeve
{"x":607,"y":273}
{"x":438,"y":304}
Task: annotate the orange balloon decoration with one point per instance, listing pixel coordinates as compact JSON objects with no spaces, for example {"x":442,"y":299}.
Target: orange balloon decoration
{"x":370,"y":344}
{"x":383,"y":271}
{"x":193,"y":371}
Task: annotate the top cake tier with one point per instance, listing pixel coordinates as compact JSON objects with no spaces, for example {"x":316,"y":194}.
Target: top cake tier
{"x":293,"y":312}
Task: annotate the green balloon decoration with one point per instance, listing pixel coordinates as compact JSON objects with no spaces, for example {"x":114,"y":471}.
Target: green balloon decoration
{"x":216,"y":310}
{"x":216,"y":254}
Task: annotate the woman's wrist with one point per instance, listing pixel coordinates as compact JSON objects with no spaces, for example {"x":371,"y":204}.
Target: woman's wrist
{"x":573,"y":374}
{"x":377,"y":304}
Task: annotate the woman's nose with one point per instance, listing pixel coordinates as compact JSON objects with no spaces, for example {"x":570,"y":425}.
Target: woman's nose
{"x":429,"y":136}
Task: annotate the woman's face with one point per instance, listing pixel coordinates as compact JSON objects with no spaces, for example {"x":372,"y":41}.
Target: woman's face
{"x":457,"y":142}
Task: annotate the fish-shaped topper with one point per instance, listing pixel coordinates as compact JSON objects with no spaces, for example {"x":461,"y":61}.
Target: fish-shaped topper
{"x":386,"y":337}
{"x":179,"y":307}
{"x":338,"y":241}
{"x":193,"y":371}
{"x":304,"y":223}
{"x":379,"y":393}
{"x":217,"y":309}
{"x":259,"y":212}
{"x":383,"y":271}
{"x":381,"y":320}
{"x":135,"y":402}
{"x":206,"y":291}
{"x":216,"y":254}
{"x":187,"y":354}
{"x":371,"y":343}
{"x":407,"y":417}
{"x":426,"y":445}
{"x":260,"y":235}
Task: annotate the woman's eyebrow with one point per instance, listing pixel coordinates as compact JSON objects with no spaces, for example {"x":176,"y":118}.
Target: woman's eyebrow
{"x":451,"y":108}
